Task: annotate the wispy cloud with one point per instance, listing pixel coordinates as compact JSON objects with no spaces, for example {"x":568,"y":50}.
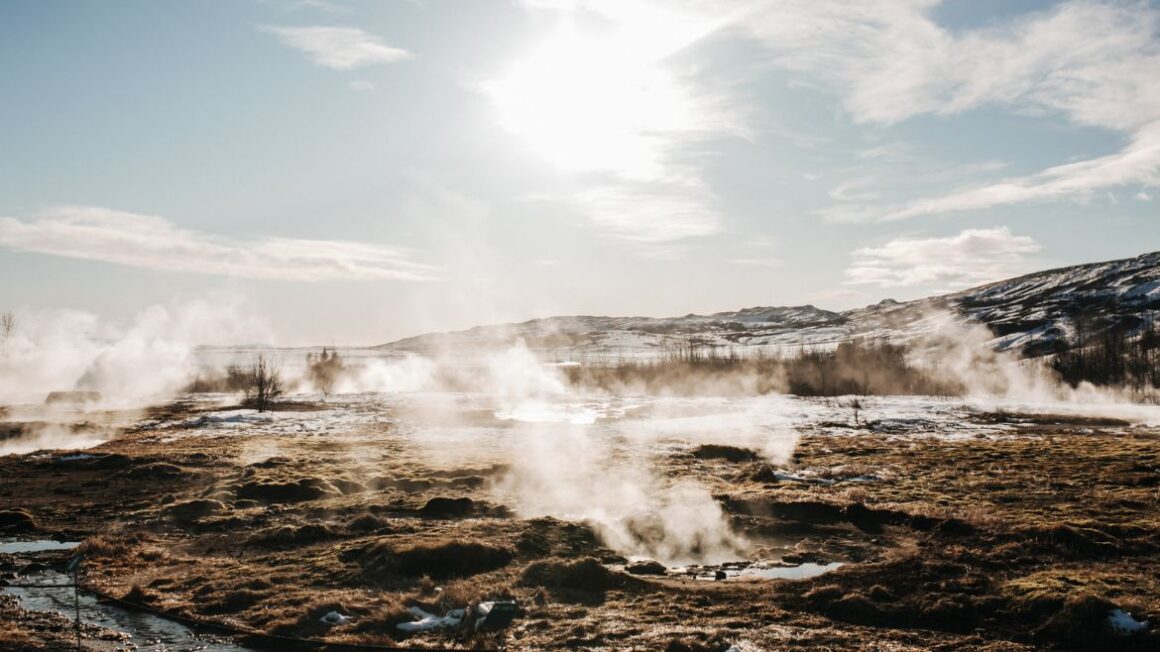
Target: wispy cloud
{"x":758,"y":262}
{"x":151,"y":242}
{"x":321,"y":5}
{"x":651,"y":213}
{"x":859,"y":199}
{"x":757,"y":251}
{"x":972,"y":257}
{"x":1138,"y":163}
{"x":1093,"y":63}
{"x":340,"y":48}
{"x":856,"y":189}
{"x":324,"y":6}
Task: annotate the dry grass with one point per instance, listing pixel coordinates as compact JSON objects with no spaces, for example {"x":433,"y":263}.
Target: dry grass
{"x":1028,"y":538}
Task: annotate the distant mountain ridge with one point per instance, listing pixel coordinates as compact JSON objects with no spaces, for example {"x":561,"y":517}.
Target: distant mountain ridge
{"x":1032,"y":314}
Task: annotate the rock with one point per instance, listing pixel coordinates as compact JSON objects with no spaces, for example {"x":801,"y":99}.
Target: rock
{"x":155,"y":471}
{"x":33,"y":568}
{"x":287,"y":492}
{"x":727,"y":453}
{"x":586,"y":575}
{"x":347,"y":486}
{"x":366,"y":523}
{"x":192,"y":510}
{"x":804,"y":557}
{"x":17,"y":520}
{"x":646,"y":567}
{"x":765,"y":475}
{"x":73,"y":397}
{"x":290,"y":536}
{"x":448,"y":507}
{"x":379,"y":561}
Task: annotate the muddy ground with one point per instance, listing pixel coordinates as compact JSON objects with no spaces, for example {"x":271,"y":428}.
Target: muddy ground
{"x":1022,"y":541}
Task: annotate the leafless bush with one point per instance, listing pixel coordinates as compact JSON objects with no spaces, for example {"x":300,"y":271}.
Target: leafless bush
{"x":266,"y":383}
{"x":234,"y":380}
{"x":324,"y":370}
{"x":7,"y":324}
{"x":261,"y":382}
{"x":855,"y":367}
{"x":855,"y":405}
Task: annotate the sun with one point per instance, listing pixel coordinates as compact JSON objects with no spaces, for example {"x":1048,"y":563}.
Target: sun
{"x":599,"y":101}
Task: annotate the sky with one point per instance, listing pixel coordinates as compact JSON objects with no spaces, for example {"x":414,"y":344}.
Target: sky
{"x":354,"y":172}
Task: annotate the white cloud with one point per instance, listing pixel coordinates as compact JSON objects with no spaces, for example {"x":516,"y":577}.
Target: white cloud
{"x":1093,"y":63}
{"x":315,"y":5}
{"x":651,"y":213}
{"x":972,"y":257}
{"x":152,"y":242}
{"x":856,"y":189}
{"x":1143,"y":196}
{"x":758,"y":262}
{"x":361,"y":86}
{"x":341,"y":48}
{"x":321,"y":5}
{"x":758,"y":251}
{"x":902,"y":173}
{"x":1138,"y":163}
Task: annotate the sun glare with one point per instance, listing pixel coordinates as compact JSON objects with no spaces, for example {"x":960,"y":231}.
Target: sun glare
{"x":599,"y":101}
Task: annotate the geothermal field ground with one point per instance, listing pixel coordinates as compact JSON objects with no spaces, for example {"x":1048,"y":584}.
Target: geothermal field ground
{"x":613,"y":521}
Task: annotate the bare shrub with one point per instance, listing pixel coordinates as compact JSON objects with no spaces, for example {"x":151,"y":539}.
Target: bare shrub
{"x":235,"y":379}
{"x":692,"y":368}
{"x":855,"y":404}
{"x":7,"y":324}
{"x":325,"y":370}
{"x":261,"y":382}
{"x":266,"y":384}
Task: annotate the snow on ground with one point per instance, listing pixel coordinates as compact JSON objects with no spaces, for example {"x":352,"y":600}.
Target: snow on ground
{"x":1123,"y":623}
{"x":452,"y":419}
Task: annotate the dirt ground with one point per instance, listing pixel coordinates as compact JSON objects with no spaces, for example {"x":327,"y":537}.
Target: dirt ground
{"x":1026,"y":541}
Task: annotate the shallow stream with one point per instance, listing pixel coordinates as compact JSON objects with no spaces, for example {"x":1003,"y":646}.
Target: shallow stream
{"x":145,"y":631}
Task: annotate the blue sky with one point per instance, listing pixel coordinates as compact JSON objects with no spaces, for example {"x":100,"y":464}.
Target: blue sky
{"x":361,"y":171}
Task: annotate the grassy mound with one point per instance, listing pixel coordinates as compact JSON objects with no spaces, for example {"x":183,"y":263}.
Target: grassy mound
{"x":192,"y":510}
{"x":586,"y":574}
{"x":439,"y":561}
{"x":287,"y":492}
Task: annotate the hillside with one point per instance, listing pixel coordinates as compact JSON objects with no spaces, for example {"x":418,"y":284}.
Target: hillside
{"x":1031,"y":314}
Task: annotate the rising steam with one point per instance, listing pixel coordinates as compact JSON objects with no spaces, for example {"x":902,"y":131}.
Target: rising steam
{"x":148,"y":359}
{"x":570,"y":452}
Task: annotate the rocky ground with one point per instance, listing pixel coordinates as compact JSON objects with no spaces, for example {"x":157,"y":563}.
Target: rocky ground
{"x":1029,"y":540}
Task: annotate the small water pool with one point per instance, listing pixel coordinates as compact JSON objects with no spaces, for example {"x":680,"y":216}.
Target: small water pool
{"x":799,"y":572}
{"x":25,"y":547}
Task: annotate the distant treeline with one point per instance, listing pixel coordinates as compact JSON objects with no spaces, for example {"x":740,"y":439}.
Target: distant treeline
{"x":691,"y":367}
{"x":1125,"y":355}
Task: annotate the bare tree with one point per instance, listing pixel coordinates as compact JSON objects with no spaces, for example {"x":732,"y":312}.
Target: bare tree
{"x":7,"y":324}
{"x":325,"y":370}
{"x":266,"y":383}
{"x":855,"y":406}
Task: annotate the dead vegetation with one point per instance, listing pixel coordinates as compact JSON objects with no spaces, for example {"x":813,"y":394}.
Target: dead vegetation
{"x":379,"y":561}
{"x":296,"y":491}
{"x":854,"y":367}
{"x":1014,"y":543}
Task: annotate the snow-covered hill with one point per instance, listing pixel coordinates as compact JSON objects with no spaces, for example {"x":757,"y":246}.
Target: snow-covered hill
{"x":1029,"y":314}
